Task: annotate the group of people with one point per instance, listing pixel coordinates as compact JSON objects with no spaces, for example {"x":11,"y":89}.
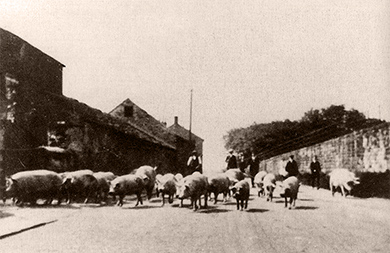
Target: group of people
{"x":291,"y":167}
{"x":194,"y":163}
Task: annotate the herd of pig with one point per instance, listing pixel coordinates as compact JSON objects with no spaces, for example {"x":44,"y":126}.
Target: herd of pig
{"x":85,"y":185}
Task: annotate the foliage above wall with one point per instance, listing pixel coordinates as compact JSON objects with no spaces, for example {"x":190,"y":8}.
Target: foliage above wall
{"x":279,"y":137}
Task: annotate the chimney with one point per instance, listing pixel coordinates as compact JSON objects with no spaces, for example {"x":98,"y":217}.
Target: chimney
{"x":176,"y":120}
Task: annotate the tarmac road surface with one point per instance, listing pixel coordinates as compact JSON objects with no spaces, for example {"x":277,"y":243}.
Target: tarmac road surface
{"x":318,"y":223}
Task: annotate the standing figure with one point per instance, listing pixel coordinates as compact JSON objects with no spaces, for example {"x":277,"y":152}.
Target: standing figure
{"x":315,"y":168}
{"x":254,"y":165}
{"x":194,"y":162}
{"x":231,"y":160}
{"x":292,"y":167}
{"x":241,"y":163}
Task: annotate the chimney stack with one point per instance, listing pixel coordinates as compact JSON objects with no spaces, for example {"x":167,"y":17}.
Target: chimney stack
{"x":176,"y":120}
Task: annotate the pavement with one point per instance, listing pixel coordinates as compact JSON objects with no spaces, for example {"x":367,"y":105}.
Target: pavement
{"x":14,"y":219}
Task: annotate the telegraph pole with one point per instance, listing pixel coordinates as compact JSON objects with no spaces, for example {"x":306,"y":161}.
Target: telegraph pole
{"x":189,"y":137}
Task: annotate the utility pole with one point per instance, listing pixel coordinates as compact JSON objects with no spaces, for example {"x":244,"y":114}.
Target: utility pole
{"x":189,"y":137}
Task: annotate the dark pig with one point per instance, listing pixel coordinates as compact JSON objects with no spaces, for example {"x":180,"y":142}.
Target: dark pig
{"x":241,"y":191}
{"x":127,"y":185}
{"x":219,"y":183}
{"x":80,"y":184}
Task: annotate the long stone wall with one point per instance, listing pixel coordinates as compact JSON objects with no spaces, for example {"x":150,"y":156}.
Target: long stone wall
{"x":364,"y":151}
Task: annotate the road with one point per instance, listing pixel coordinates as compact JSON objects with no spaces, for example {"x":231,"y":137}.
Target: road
{"x":318,"y":223}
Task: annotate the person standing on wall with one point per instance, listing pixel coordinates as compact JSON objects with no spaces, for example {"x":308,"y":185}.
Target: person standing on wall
{"x":231,"y":161}
{"x":292,"y":167}
{"x":194,"y":162}
{"x":315,"y":168}
{"x":254,"y":166}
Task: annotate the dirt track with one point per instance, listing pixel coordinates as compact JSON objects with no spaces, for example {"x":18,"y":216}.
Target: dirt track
{"x":319,"y":223}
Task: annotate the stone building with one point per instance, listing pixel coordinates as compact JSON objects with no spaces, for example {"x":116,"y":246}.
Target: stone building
{"x":175,"y":135}
{"x":42,"y":129}
{"x":179,"y":130}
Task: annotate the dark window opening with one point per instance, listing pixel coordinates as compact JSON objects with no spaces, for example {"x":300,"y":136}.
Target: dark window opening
{"x":128,"y":111}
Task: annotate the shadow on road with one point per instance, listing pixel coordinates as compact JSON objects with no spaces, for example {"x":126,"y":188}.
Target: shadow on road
{"x":65,"y":206}
{"x":306,"y":199}
{"x":157,"y":200}
{"x":257,"y":210}
{"x":213,"y":210}
{"x":306,"y":207}
{"x":140,"y":207}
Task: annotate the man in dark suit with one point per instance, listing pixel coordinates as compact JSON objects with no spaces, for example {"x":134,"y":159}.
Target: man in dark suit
{"x":231,"y":160}
{"x":292,"y":167}
{"x":315,"y":168}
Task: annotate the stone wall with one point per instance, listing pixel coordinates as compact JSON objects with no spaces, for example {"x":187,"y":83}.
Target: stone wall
{"x":366,"y":150}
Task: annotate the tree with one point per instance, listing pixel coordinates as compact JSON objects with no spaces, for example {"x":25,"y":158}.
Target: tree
{"x":281,"y":136}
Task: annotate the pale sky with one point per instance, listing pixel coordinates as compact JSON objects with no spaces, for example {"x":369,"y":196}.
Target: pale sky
{"x":246,"y":61}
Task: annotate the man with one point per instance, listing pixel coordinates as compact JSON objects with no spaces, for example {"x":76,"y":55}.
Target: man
{"x":254,"y":166}
{"x":241,"y":163}
{"x":194,"y":162}
{"x":231,"y":160}
{"x":315,"y":168}
{"x":292,"y":167}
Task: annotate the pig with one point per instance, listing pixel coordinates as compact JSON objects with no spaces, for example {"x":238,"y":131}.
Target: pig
{"x":194,"y":186}
{"x":148,"y":174}
{"x":289,"y":188}
{"x":342,"y":178}
{"x":103,"y":179}
{"x":166,"y":184}
{"x":241,"y":191}
{"x":219,"y":183}
{"x":158,"y":177}
{"x":269,"y":185}
{"x":127,"y":185}
{"x":178,"y":177}
{"x":235,"y":175}
{"x":258,"y":180}
{"x":79,"y":184}
{"x":29,"y":186}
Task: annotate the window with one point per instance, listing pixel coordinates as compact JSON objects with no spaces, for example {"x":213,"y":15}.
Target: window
{"x":128,"y":111}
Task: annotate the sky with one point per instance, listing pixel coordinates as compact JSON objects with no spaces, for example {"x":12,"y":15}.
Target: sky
{"x":246,"y":61}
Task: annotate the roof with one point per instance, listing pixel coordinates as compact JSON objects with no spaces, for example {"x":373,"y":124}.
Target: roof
{"x":2,"y":31}
{"x":182,"y":132}
{"x":143,"y":120}
{"x":89,"y":114}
